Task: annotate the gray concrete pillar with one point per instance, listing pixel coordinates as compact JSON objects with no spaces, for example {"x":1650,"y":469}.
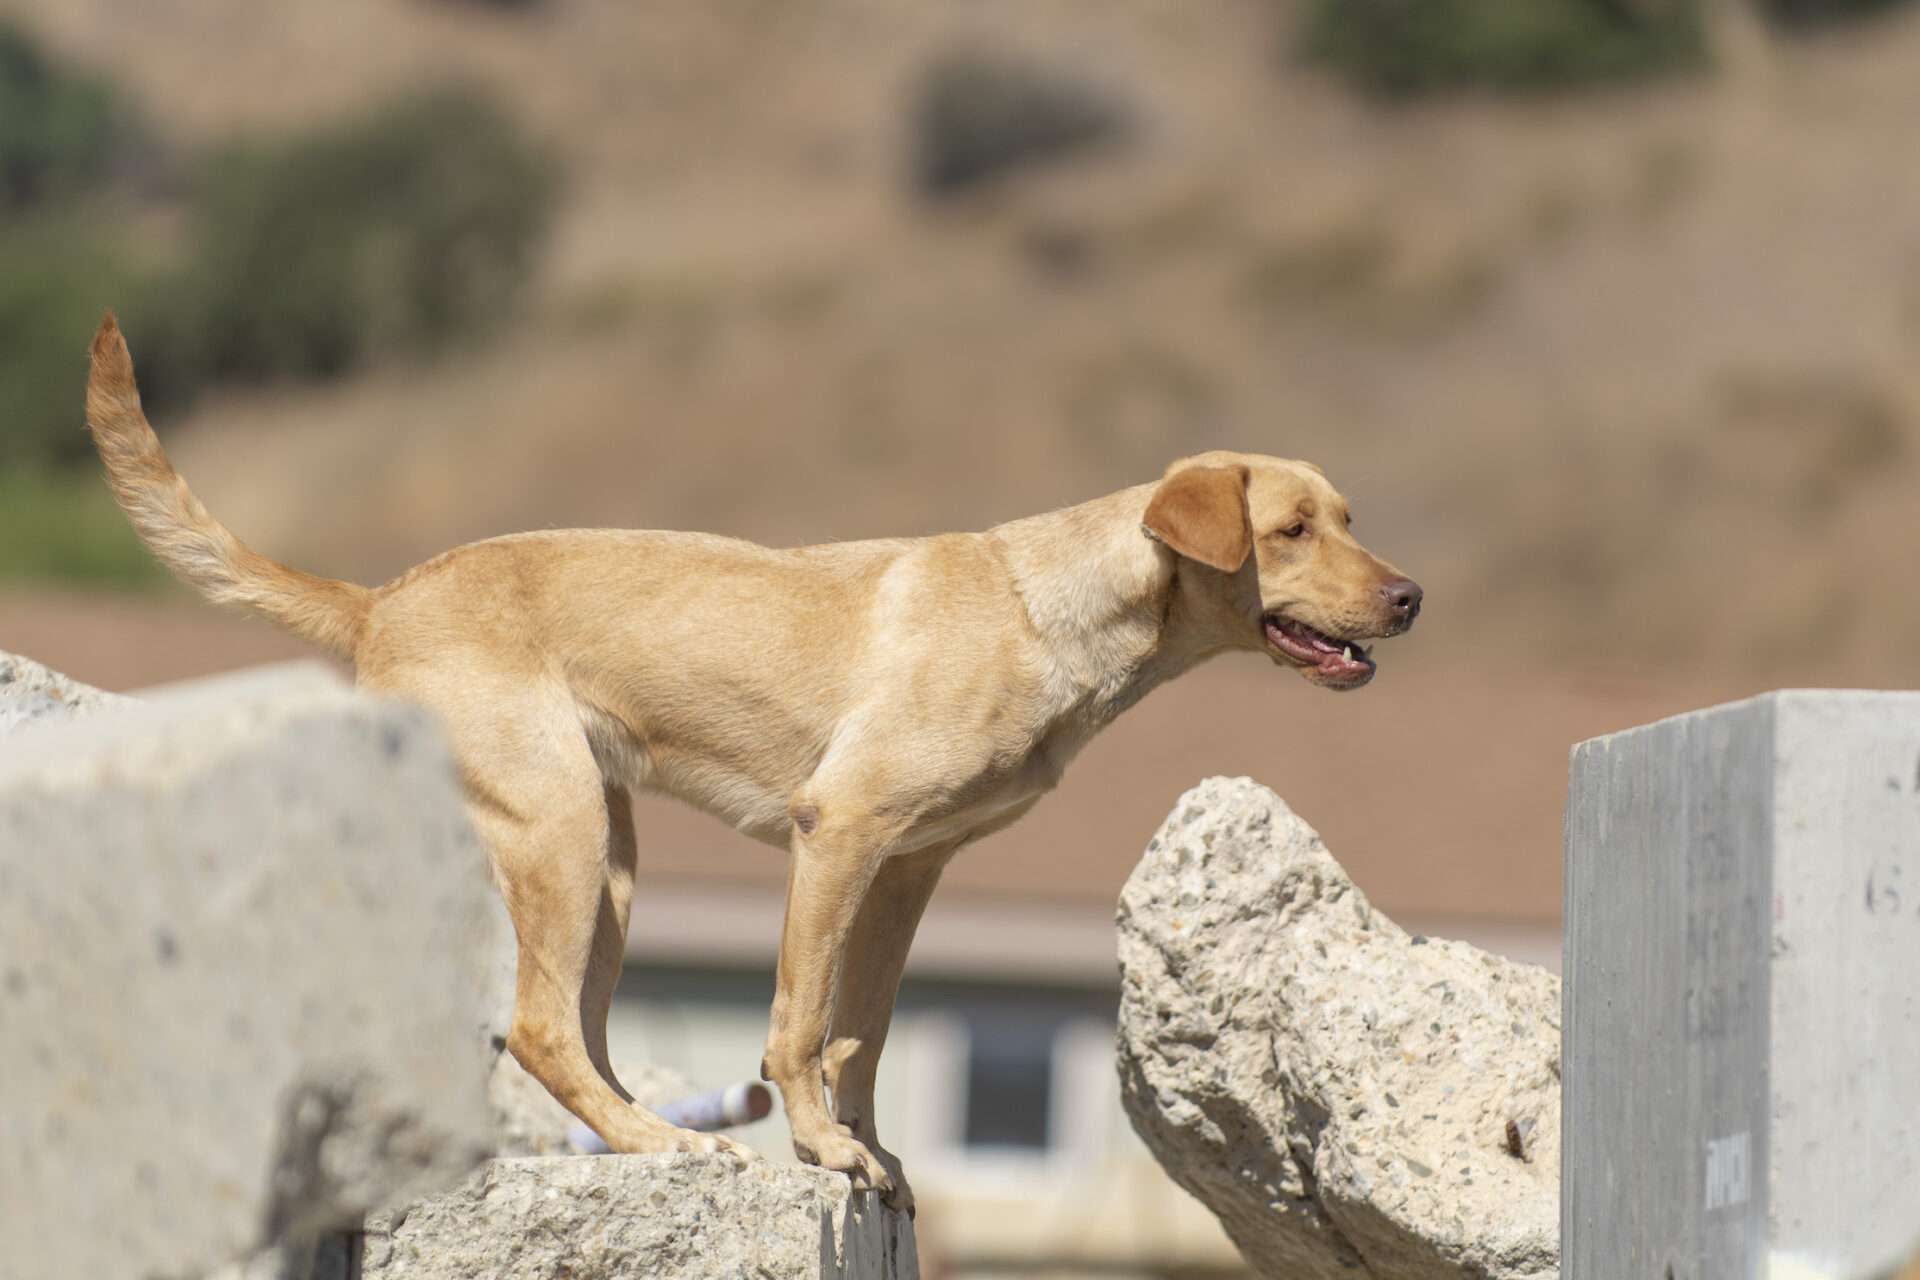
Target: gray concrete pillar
{"x":1742,"y":987}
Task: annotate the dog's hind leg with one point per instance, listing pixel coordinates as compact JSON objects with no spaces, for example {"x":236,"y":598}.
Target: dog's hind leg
{"x":610,"y":942}
{"x":569,"y":913}
{"x":562,"y":850}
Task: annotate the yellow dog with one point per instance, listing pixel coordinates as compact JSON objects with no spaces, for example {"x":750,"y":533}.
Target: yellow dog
{"x":871,"y":706}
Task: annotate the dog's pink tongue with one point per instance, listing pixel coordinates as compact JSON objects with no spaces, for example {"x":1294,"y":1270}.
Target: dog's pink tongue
{"x":1308,"y":638}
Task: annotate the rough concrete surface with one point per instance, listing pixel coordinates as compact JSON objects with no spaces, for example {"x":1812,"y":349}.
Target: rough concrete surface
{"x":242,"y":928}
{"x":1348,"y":1099}
{"x":31,"y":693}
{"x":692,"y":1217}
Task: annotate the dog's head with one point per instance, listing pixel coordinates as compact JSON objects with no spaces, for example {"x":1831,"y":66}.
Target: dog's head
{"x":1278,"y":568}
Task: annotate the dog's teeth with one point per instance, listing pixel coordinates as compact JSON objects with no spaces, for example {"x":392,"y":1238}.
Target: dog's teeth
{"x":1350,"y":653}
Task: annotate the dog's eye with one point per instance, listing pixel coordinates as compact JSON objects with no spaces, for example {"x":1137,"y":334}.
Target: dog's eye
{"x":1295,"y":530}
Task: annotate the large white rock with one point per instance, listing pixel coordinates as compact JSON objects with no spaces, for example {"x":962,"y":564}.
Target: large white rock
{"x":243,"y":932}
{"x":31,"y":693}
{"x":1350,"y":1101}
{"x":692,"y":1217}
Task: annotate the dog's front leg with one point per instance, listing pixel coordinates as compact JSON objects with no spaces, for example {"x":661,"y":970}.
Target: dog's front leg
{"x":835,"y":859}
{"x":869,"y":981}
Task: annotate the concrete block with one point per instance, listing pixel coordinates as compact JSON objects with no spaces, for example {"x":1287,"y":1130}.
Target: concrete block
{"x":1743,"y":991}
{"x":692,"y":1217}
{"x":31,"y":693}
{"x":1349,"y":1100}
{"x":244,"y":928}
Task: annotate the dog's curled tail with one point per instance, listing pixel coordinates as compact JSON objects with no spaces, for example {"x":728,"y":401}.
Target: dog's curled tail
{"x":180,"y":532}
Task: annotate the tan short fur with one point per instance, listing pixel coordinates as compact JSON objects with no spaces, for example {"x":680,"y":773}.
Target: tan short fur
{"x":870,"y":706}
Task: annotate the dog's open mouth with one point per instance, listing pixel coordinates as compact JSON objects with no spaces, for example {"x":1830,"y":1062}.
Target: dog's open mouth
{"x":1341,"y":664}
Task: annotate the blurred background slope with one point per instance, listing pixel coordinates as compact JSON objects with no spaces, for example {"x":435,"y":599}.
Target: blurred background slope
{"x":1637,"y":353}
{"x":1605,"y":314}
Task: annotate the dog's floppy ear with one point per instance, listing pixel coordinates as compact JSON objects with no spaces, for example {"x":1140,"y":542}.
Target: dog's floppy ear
{"x":1201,"y":512}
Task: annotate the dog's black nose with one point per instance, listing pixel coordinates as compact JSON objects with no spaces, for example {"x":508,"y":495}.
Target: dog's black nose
{"x":1403,"y":596}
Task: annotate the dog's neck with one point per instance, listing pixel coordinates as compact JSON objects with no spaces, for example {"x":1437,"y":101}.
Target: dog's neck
{"x":1103,"y":598}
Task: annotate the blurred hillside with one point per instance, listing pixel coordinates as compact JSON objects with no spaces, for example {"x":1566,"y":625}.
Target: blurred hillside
{"x":1625,"y":370}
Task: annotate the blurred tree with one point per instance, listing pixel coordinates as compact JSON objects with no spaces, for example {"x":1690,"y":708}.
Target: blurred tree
{"x":58,"y":128}
{"x":411,"y":226}
{"x":1803,"y":14}
{"x":1403,"y":47}
{"x":56,"y":276}
{"x":414,"y":225}
{"x":977,"y":114}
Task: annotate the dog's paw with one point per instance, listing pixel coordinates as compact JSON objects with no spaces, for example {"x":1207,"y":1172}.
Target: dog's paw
{"x":836,"y":1148}
{"x":901,"y":1197}
{"x":714,"y":1144}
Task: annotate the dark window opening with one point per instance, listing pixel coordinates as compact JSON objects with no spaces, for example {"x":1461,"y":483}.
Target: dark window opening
{"x":1009,"y":1083}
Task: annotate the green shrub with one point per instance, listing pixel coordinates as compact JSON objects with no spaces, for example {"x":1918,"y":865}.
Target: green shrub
{"x":63,"y":526}
{"x":1401,"y":47}
{"x":58,"y":129}
{"x":56,"y":278}
{"x":400,"y":231}
{"x":1807,"y":14}
{"x":413,"y":226}
{"x":977,"y":114}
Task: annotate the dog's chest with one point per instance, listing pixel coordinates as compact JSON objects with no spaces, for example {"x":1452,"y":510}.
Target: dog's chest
{"x":1002,"y":794}
{"x":992,"y":806}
